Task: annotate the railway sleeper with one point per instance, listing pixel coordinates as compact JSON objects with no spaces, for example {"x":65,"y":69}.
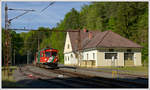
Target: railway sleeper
{"x":103,"y":83}
{"x":50,"y":81}
{"x":117,"y":83}
{"x":101,"y":79}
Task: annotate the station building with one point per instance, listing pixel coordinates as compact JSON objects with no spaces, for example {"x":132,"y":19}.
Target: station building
{"x":101,"y":49}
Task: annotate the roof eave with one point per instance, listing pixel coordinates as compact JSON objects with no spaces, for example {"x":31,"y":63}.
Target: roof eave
{"x":119,"y":47}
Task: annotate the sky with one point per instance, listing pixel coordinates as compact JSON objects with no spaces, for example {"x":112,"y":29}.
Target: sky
{"x":32,"y":20}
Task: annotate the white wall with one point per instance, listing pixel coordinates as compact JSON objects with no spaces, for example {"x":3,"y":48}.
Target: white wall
{"x":67,"y":42}
{"x":108,"y":62}
{"x":99,"y":56}
{"x":70,"y":60}
{"x":137,"y":59}
{"x":90,"y":55}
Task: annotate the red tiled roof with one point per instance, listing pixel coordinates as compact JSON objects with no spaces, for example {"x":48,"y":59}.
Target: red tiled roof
{"x":106,"y":39}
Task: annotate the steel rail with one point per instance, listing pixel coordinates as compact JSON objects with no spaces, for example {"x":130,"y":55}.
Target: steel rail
{"x":78,"y":83}
{"x":104,"y":79}
{"x":109,"y":79}
{"x":101,"y":80}
{"x":52,"y":81}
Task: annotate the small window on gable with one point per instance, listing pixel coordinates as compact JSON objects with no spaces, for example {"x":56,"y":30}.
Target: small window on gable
{"x":93,"y":55}
{"x":129,"y":50}
{"x":68,"y":46}
{"x":111,"y":50}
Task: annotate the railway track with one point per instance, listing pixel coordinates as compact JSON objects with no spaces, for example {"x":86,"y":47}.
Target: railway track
{"x":74,"y":83}
{"x":39,"y":76}
{"x":118,"y":83}
{"x":78,"y":80}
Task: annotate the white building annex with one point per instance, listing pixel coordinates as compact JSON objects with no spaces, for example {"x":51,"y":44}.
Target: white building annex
{"x":101,"y":49}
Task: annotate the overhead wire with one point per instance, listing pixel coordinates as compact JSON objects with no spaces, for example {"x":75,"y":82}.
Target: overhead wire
{"x":47,"y":6}
{"x":26,"y":11}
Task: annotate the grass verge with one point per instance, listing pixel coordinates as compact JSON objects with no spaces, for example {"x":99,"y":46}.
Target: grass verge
{"x":7,"y":78}
{"x":142,"y":70}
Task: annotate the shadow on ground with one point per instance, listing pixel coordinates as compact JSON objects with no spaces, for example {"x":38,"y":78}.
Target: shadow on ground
{"x":73,"y":82}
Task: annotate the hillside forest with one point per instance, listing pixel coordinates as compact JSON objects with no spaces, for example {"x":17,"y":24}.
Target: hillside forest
{"x":128,"y":19}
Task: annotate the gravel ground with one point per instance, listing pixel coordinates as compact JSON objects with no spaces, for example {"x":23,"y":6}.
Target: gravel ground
{"x":35,"y":83}
{"x":45,"y":72}
{"x":32,"y":83}
{"x":45,"y":82}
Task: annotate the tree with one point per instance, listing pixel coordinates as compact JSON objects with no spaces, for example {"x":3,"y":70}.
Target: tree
{"x":129,"y":19}
{"x":71,"y":20}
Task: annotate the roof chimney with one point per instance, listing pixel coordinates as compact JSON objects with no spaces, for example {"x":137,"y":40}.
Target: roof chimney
{"x":90,"y":35}
{"x":84,"y":30}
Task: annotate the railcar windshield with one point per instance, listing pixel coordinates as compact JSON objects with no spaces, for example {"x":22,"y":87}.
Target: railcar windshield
{"x":47,"y":54}
{"x":54,"y":53}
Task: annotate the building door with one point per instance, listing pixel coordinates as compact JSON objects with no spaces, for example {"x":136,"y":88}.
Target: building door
{"x":129,"y":59}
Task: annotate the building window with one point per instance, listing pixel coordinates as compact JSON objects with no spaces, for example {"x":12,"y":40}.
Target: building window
{"x":111,"y":50}
{"x":71,"y":56}
{"x":87,"y":56}
{"x":68,"y":46}
{"x":128,"y":56}
{"x":68,"y":58}
{"x":93,"y":55}
{"x":110,"y":55}
{"x":128,"y":50}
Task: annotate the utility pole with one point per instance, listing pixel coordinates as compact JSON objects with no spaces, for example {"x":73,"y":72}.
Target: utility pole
{"x":7,"y":35}
{"x":7,"y":50}
{"x":38,"y":42}
{"x":28,"y":57}
{"x":79,"y":46}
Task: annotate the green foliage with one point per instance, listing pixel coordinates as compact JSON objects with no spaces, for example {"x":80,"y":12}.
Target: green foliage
{"x":57,"y":41}
{"x":71,"y":20}
{"x":111,"y":24}
{"x":129,"y":19}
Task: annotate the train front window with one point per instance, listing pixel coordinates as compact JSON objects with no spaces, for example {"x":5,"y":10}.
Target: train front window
{"x":47,"y":54}
{"x":54,"y":53}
